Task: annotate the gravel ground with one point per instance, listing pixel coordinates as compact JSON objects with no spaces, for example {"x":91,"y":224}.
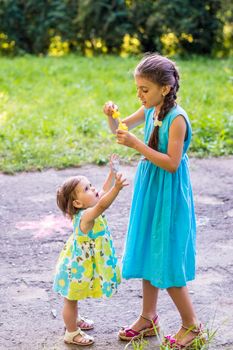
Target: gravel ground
{"x":33,"y":232}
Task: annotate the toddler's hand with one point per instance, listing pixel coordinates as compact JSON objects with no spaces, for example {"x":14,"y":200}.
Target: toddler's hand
{"x":109,"y":108}
{"x":114,"y":163}
{"x":120,"y":182}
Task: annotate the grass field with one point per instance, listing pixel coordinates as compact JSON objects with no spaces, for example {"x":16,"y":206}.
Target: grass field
{"x":51,"y":108}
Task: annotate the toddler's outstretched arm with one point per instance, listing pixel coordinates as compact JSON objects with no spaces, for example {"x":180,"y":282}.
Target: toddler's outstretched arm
{"x":90,"y":214}
{"x":109,"y":181}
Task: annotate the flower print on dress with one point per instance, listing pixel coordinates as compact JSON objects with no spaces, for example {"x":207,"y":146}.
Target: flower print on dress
{"x":62,"y":283}
{"x":107,"y":249}
{"x":77,"y":250}
{"x":107,"y":289}
{"x":88,"y":267}
{"x":112,"y":261}
{"x":78,"y":290}
{"x":90,"y":264}
{"x":76,"y":270}
{"x":108,"y":273}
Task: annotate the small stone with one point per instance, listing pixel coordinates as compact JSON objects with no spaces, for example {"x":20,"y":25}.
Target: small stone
{"x":54,"y":313}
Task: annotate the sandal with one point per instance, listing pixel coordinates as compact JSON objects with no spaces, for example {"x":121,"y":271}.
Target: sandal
{"x":70,"y":336}
{"x":130,"y":333}
{"x":84,"y":324}
{"x":199,"y":336}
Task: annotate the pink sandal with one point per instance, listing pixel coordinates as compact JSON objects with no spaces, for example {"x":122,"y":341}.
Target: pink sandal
{"x":84,"y":324}
{"x":130,"y":333}
{"x":199,"y":335}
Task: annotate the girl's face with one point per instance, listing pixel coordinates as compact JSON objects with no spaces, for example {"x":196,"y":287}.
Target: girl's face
{"x":150,"y":94}
{"x":86,"y":194}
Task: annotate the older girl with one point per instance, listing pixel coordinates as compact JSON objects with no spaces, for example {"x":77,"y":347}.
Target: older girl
{"x":160,"y":243}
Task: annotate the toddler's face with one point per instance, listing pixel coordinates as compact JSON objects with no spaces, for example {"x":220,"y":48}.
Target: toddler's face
{"x":86,"y":194}
{"x":150,"y":94}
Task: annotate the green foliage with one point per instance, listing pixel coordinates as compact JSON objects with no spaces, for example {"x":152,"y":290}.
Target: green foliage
{"x":51,"y":108}
{"x":31,"y":24}
{"x":179,"y":26}
{"x":102,"y":19}
{"x":195,"y":24}
{"x":143,"y":20}
{"x":224,"y":44}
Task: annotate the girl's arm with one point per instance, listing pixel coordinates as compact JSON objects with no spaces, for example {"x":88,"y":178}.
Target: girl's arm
{"x":131,"y":121}
{"x":90,"y":214}
{"x":169,"y":161}
{"x":135,"y":119}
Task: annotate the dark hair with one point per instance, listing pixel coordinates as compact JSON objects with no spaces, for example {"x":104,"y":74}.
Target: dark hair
{"x":162,"y":71}
{"x":66,"y":195}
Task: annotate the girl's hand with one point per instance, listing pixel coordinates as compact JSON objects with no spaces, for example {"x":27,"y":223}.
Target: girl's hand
{"x":109,"y":108}
{"x":126,"y":138}
{"x":120,"y":182}
{"x":114,"y":163}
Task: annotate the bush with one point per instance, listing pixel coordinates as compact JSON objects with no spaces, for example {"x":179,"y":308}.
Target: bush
{"x":179,"y":26}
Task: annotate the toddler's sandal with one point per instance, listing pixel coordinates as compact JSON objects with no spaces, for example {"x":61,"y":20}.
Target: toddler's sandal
{"x":84,"y":323}
{"x":69,"y":338}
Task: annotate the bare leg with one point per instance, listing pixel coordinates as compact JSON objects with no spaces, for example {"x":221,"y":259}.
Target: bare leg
{"x":149,"y":306}
{"x":150,"y":298}
{"x":182,"y":300}
{"x":70,"y":313}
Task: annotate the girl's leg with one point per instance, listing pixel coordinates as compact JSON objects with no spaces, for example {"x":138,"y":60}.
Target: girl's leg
{"x":150,"y":298}
{"x":182,"y":300}
{"x":149,"y":306}
{"x":70,"y":313}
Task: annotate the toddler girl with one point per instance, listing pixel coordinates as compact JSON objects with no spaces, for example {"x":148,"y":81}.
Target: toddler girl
{"x":87,"y":265}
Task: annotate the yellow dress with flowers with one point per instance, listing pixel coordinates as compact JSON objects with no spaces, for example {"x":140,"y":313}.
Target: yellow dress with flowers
{"x":87,"y":266}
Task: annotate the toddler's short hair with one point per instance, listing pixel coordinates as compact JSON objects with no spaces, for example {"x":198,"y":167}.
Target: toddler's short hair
{"x":66,"y":196}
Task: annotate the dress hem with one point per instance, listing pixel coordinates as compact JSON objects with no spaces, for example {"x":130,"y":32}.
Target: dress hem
{"x":157,"y":285}
{"x":103,"y":296}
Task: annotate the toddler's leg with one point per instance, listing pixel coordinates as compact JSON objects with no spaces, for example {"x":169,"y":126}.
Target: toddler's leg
{"x":70,"y":312}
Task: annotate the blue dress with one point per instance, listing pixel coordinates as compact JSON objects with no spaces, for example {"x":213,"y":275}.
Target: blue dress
{"x":160,"y":243}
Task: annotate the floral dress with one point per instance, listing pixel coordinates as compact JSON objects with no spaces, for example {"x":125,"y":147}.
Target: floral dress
{"x":87,"y":265}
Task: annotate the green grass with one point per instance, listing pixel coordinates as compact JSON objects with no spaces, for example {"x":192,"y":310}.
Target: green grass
{"x":198,"y":343}
{"x":51,"y":108}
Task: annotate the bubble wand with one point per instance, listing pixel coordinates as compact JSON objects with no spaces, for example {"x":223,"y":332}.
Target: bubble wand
{"x":116,"y":115}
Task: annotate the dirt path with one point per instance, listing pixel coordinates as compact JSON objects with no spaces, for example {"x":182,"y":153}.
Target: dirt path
{"x":32,"y":234}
